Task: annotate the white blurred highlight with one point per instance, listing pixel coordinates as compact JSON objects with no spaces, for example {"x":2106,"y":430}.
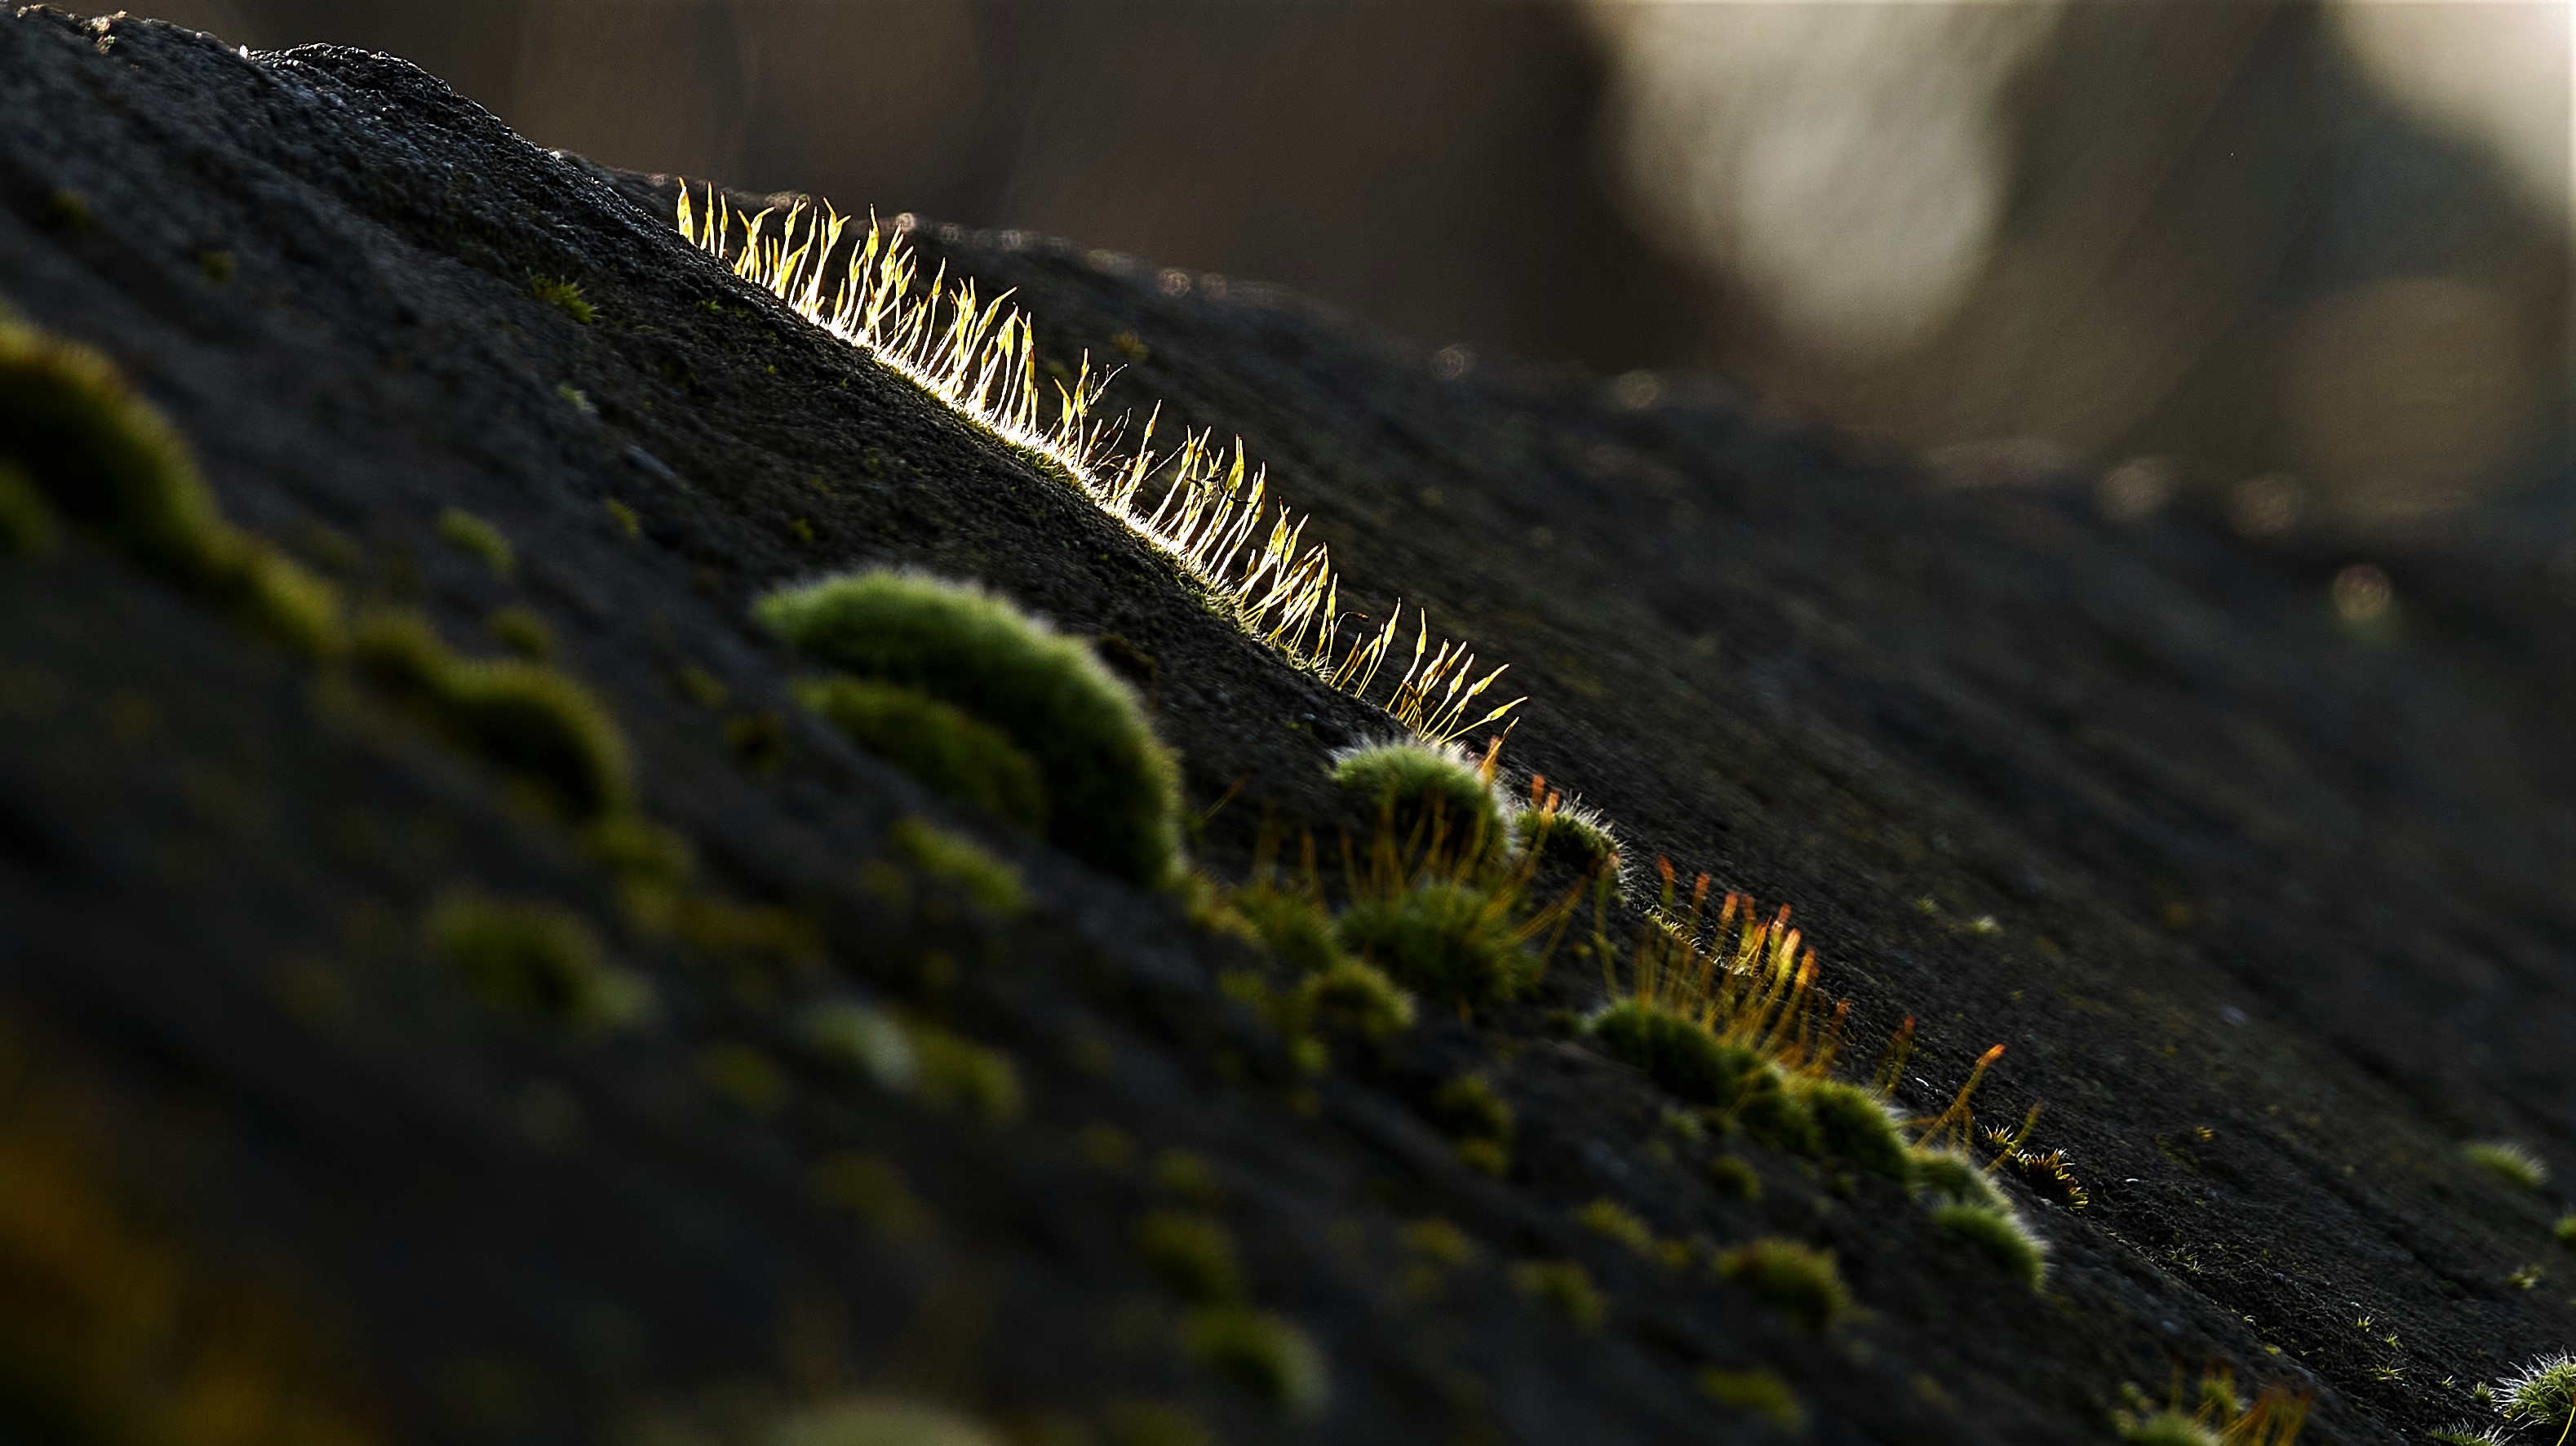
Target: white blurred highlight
{"x":1846,"y":162}
{"x":2495,"y":71}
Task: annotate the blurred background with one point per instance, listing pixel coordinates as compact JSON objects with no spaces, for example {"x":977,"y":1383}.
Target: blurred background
{"x":2309,"y":259}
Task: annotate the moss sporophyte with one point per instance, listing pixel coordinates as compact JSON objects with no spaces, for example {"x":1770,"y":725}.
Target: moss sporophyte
{"x":1201,"y":505}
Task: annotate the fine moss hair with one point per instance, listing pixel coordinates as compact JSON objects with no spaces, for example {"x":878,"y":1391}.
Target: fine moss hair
{"x":1566,"y":1287}
{"x":875,"y":1422}
{"x":1350,"y":997}
{"x":1569,"y":834}
{"x":1426,"y":789}
{"x":468,"y":533}
{"x":538,"y":961}
{"x":1701,"y":1069}
{"x":1856,"y":1124}
{"x":1611,"y":1220}
{"x":1441,"y":939}
{"x":1113,"y":792}
{"x":108,"y":462}
{"x":1946,"y":1177}
{"x":529,"y":721}
{"x":2514,"y":1163}
{"x":994,"y":883}
{"x":944,"y":749}
{"x":2001,"y":1236}
{"x":1263,"y":1354}
{"x":1192,"y":1255}
{"x":1761,"y":1393}
{"x":2167,"y":1428}
{"x":1799,"y":1281}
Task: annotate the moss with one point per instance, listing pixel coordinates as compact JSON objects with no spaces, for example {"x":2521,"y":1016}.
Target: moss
{"x":1293,"y":926}
{"x":866,"y":1041}
{"x":468,"y":533}
{"x":1469,"y":1108}
{"x":2167,"y":1428}
{"x":1796,"y":1280}
{"x":1183,"y":1175}
{"x":1192,"y":1255}
{"x":2515,"y":1164}
{"x":1760,"y":1393}
{"x":1426,"y":791}
{"x":1152,"y":1423}
{"x":757,"y":741}
{"x":564,"y":296}
{"x":993,"y":883}
{"x":528,"y":721}
{"x":1566,"y":1287}
{"x":1261,"y":1353}
{"x":2565,"y":1230}
{"x":1734,"y":1177}
{"x":1486,"y":1157}
{"x":627,"y":523}
{"x":1354,"y":998}
{"x":219,"y":267}
{"x":108,"y":462}
{"x":2001,"y":1235}
{"x":744,"y":1075}
{"x":640,"y":851}
{"x":535,"y":960}
{"x":2542,"y":1393}
{"x":1698,"y":1067}
{"x":1442,"y":939}
{"x":1439,"y":1242}
{"x":1575,"y":837}
{"x":876,"y":1422}
{"x":1611,"y":1220}
{"x":942,"y":748}
{"x":27,"y":525}
{"x":1113,"y":792}
{"x":1856,"y":1124}
{"x":1946,"y":1177}
{"x":952,"y":1073}
{"x":520,"y":630}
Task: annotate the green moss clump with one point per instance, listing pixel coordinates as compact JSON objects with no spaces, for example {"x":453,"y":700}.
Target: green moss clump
{"x":870,"y":1422}
{"x":1699,"y":1068}
{"x":872,"y":1187}
{"x":520,"y":630}
{"x":108,"y":462}
{"x":1441,"y":939}
{"x":944,"y":749}
{"x":952,"y":1073}
{"x":1354,"y":998}
{"x":1566,"y":1287}
{"x":993,"y":883}
{"x":1113,"y":792}
{"x":2001,"y":1235}
{"x":2565,"y":1230}
{"x":1184,"y":1175}
{"x":1761,"y":1393}
{"x":2542,"y":1393}
{"x":1192,"y":1255}
{"x":1574,"y":836}
{"x":2515,"y":1164}
{"x":468,"y":533}
{"x":868,"y":1041}
{"x":1734,"y":1177}
{"x":1293,"y":926}
{"x":564,"y":296}
{"x":1263,"y":1354}
{"x":1947,"y":1177}
{"x":1426,"y":791}
{"x":536,"y":960}
{"x":1611,"y":1220}
{"x":27,"y":525}
{"x":744,"y":1075}
{"x":1469,"y":1108}
{"x":528,"y":721}
{"x":1796,"y":1280}
{"x":1857,"y":1125}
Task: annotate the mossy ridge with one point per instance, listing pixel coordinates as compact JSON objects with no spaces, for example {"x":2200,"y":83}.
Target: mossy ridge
{"x":1113,"y":791}
{"x":86,"y":446}
{"x":944,"y":749}
{"x":537,"y":960}
{"x":1434,"y":797}
{"x":531,"y":722}
{"x":1799,"y":1281}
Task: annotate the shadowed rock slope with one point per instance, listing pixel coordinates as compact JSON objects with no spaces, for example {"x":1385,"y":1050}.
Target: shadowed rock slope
{"x":2272,"y":914}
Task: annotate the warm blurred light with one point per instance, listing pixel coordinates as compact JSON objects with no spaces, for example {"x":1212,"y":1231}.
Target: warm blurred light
{"x":1848,"y":163}
{"x":2135,"y":489}
{"x":2495,"y":70}
{"x":2361,"y":593}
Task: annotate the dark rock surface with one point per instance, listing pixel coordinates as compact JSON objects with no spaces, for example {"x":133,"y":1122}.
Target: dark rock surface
{"x":2271,"y":915}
